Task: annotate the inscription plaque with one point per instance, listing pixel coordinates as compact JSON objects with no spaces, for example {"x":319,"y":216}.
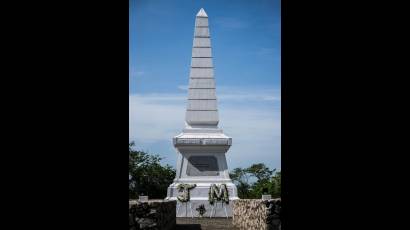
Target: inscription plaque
{"x":214,"y":141}
{"x":202,"y":166}
{"x":189,"y":141}
{"x":143,"y":198}
{"x":205,"y":141}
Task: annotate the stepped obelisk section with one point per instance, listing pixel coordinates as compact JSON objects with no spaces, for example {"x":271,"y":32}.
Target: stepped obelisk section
{"x":201,"y":147}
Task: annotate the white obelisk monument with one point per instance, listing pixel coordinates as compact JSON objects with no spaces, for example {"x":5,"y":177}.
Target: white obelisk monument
{"x":201,"y":147}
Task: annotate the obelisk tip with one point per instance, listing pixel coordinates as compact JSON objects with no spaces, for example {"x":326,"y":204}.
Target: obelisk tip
{"x":201,"y":13}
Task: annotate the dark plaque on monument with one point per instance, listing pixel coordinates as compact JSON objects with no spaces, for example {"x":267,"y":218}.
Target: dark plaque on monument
{"x":202,"y":166}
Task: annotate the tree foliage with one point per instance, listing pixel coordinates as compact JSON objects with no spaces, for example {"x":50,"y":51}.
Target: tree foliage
{"x":265,"y":181}
{"x":147,"y":176}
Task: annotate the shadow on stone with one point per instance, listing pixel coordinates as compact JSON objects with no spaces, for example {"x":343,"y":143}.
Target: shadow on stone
{"x":205,"y":223}
{"x":188,"y":227}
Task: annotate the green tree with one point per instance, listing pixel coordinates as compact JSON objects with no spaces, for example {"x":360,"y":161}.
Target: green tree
{"x":260,"y":171}
{"x":147,"y":175}
{"x":276,"y":185}
{"x":241,"y":179}
{"x":265,"y":182}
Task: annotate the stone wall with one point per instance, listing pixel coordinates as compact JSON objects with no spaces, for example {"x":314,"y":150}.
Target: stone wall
{"x":257,"y":214}
{"x":152,"y":214}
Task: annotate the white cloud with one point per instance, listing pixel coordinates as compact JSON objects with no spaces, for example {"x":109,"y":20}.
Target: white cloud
{"x":135,"y":73}
{"x":256,"y":134}
{"x":233,"y":93}
{"x":183,"y":87}
{"x":265,"y":51}
{"x":153,"y":118}
{"x":250,"y":116}
{"x":248,"y":94}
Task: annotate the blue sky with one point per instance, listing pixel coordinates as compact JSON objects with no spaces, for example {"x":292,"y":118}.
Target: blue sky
{"x":245,"y":37}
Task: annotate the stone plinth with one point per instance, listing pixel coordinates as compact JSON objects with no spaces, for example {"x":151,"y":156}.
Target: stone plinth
{"x":152,"y":214}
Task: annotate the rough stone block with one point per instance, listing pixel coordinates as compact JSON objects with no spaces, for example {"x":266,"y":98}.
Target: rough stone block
{"x":256,"y":214}
{"x":153,"y":214}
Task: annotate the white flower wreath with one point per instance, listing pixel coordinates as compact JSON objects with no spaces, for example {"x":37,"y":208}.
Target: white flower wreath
{"x":184,"y":188}
{"x":218,"y":193}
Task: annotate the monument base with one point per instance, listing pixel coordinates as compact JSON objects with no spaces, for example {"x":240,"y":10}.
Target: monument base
{"x":200,"y":195}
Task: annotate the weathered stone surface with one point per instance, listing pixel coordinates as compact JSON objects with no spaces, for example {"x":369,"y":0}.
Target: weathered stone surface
{"x":257,"y":214}
{"x":154,"y":214}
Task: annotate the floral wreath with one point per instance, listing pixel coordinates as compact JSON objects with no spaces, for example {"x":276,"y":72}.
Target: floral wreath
{"x":218,"y":193}
{"x":184,"y":188}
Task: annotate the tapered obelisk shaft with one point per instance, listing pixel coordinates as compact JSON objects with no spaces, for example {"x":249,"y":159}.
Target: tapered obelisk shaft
{"x":202,"y":146}
{"x":202,"y":104}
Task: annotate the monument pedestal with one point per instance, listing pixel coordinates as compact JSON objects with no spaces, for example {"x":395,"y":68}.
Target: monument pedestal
{"x":202,"y":161}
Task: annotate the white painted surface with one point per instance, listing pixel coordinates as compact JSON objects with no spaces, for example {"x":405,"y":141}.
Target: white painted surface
{"x":201,"y":83}
{"x":202,"y":117}
{"x":201,"y":13}
{"x":201,"y":136}
{"x":202,"y":42}
{"x":201,"y":52}
{"x":201,"y":73}
{"x":201,"y":62}
{"x":202,"y":31}
{"x":201,"y":94}
{"x":202,"y":104}
{"x":201,"y":22}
